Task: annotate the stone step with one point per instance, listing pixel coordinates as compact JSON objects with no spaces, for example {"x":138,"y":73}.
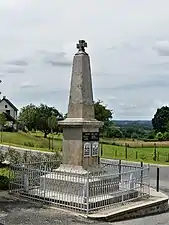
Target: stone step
{"x":78,"y":202}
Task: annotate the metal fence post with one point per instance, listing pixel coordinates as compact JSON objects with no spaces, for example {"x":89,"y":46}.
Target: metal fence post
{"x":120,"y":170}
{"x":115,"y":152}
{"x":87,"y":193}
{"x":155,"y":152}
{"x":158,"y":179}
{"x":44,"y":184}
{"x":126,"y":150}
{"x":141,"y":164}
{"x":148,"y":179}
{"x":101,"y":148}
{"x":136,"y":155}
{"x":49,"y":143}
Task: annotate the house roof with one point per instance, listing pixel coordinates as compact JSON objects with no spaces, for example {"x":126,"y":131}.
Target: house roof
{"x":9,"y":103}
{"x":9,"y":117}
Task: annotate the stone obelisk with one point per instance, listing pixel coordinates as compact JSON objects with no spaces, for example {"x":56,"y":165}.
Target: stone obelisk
{"x":80,"y":128}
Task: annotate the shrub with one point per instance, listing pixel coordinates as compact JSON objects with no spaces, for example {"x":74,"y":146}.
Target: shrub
{"x":16,"y":157}
{"x":4,"y":182}
{"x":4,"y":178}
{"x":166,"y":136}
{"x":159,"y":136}
{"x":149,"y":140}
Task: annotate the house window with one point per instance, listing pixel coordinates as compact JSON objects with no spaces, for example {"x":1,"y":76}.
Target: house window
{"x":8,"y":112}
{"x":6,"y":106}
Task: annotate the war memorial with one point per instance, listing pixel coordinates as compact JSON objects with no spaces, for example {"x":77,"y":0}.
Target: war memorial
{"x":83,"y":181}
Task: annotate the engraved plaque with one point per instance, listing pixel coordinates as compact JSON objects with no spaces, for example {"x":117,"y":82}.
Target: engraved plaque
{"x":87,"y":149}
{"x":95,"y":148}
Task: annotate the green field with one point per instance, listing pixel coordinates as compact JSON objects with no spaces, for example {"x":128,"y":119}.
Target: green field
{"x":142,"y":152}
{"x":145,"y":154}
{"x":30,"y":140}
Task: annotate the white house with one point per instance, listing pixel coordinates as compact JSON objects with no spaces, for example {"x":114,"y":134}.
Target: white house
{"x":8,"y":109}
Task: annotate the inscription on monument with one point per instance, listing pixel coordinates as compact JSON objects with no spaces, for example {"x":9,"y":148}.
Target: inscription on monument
{"x":91,"y":143}
{"x":87,"y":149}
{"x":90,"y":136}
{"x":95,"y":148}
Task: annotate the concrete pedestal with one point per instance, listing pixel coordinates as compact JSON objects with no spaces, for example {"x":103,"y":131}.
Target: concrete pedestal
{"x":78,"y":190}
{"x":79,"y":183}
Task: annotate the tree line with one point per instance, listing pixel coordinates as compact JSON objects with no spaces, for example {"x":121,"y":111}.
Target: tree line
{"x":45,"y":119}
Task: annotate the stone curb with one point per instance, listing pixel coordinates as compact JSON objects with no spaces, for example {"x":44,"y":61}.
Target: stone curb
{"x":154,"y":205}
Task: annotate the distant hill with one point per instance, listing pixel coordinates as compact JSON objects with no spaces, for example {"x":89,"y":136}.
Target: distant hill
{"x":131,"y":123}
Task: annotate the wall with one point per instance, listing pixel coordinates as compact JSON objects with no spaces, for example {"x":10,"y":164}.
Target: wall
{"x":3,"y":109}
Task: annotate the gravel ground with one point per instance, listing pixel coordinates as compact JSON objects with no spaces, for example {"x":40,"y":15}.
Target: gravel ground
{"x":19,"y":212}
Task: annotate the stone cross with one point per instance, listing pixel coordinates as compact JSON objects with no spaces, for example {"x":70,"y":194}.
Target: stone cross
{"x":82,"y":45}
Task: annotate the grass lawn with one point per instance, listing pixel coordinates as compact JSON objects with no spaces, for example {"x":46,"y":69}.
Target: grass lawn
{"x":27,"y":140}
{"x":145,"y":154}
{"x":137,"y":152}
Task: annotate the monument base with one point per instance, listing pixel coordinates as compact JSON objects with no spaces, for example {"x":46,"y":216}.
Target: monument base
{"x":76,"y":187}
{"x":74,"y":169}
{"x":78,"y":202}
{"x":78,"y":181}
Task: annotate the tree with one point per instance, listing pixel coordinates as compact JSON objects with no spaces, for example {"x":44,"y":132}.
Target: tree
{"x":159,"y":136}
{"x":101,"y":112}
{"x":166,"y":136}
{"x":3,"y":121}
{"x":37,"y":118}
{"x":44,"y":112}
{"x":28,"y":116}
{"x":53,"y":124}
{"x":160,"y":120}
{"x":113,"y":131}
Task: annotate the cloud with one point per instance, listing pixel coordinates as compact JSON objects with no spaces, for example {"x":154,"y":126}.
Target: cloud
{"x":57,"y":63}
{"x":159,"y":65}
{"x":126,"y":46}
{"x":38,"y":44}
{"x":14,"y":71}
{"x":18,"y":63}
{"x":162,"y":48}
{"x":55,"y":58}
{"x":28,"y":85}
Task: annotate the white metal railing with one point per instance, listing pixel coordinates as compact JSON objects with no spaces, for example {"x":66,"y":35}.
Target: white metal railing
{"x":113,"y":184}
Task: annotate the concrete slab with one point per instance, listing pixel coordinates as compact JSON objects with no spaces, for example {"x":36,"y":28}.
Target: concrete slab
{"x":157,"y":203}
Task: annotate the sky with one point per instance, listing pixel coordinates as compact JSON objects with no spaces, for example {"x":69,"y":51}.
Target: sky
{"x":128,"y":43}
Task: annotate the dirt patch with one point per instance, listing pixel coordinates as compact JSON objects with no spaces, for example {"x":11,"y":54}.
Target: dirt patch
{"x":16,"y":211}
